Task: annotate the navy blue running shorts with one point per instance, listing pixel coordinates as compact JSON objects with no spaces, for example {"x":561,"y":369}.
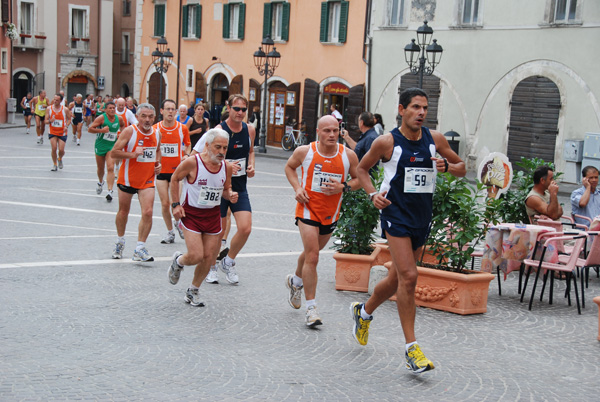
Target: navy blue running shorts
{"x":242,"y":204}
{"x":417,"y":236}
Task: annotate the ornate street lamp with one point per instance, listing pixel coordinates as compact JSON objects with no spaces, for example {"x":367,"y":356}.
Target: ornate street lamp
{"x":161,"y":59}
{"x":417,"y":54}
{"x":266,"y":60}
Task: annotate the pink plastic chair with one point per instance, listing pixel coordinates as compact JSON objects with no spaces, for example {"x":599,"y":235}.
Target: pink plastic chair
{"x":569,"y":268}
{"x":592,"y":260}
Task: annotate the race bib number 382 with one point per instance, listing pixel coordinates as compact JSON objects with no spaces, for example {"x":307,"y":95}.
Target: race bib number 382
{"x":418,"y":180}
{"x":210,"y":196}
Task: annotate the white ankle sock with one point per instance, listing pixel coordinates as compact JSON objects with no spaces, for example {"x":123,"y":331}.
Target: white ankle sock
{"x":408,"y":345}
{"x":297,"y":281}
{"x":312,"y":302}
{"x":229,"y":261}
{"x":364,"y":315}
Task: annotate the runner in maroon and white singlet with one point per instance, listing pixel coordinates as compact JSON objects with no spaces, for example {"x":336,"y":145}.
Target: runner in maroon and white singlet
{"x":207,"y":179}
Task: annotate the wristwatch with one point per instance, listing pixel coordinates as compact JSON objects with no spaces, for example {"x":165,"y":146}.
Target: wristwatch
{"x":346,"y":187}
{"x":174,"y":205}
{"x":371,"y":195}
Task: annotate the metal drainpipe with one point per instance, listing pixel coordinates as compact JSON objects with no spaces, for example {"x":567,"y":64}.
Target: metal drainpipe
{"x":368,"y":41}
{"x":179,"y":53}
{"x":99,"y":41}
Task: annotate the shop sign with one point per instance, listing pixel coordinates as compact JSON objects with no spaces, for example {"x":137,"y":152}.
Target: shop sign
{"x":336,"y":89}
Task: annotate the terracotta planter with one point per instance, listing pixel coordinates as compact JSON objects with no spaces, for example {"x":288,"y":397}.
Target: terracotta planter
{"x":384,"y":253}
{"x":450,"y":291}
{"x":597,"y":301}
{"x":352,"y":270}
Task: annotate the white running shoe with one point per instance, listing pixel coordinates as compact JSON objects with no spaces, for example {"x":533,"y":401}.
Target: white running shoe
{"x":109,"y":196}
{"x":142,"y":255}
{"x":54,"y":168}
{"x":295,"y":298}
{"x":180,"y":230}
{"x":230,"y":273}
{"x":213,"y":275}
{"x":192,"y":297}
{"x":312,"y":317}
{"x":169,"y":238}
{"x":74,"y":138}
{"x":78,"y":144}
{"x":118,"y":251}
{"x":99,"y":188}
{"x":175,"y":269}
{"x":60,"y":164}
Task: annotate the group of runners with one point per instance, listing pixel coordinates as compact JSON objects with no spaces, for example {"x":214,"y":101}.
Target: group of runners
{"x":201,"y":182}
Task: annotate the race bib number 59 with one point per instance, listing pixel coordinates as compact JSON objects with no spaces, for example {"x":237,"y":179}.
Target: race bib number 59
{"x":418,"y":180}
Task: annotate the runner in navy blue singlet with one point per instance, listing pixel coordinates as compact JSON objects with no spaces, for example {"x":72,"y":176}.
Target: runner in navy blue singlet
{"x":410,"y":162}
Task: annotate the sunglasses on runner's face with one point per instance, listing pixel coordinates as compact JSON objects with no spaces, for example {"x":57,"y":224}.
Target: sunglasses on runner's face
{"x":239,"y":109}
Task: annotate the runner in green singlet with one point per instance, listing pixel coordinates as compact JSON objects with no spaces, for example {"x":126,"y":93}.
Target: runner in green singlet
{"x":106,"y":127}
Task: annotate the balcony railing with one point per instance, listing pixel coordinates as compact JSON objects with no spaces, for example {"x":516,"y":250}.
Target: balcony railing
{"x":79,"y":44}
{"x":28,"y":39}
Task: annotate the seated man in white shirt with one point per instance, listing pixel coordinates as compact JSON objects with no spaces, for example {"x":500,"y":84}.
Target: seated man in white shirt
{"x":586,"y":199}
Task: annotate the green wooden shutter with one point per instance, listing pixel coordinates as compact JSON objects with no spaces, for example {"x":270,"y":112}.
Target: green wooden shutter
{"x":267,"y":18}
{"x":184,"y":22}
{"x":285,"y":23}
{"x":343,"y":21}
{"x":324,"y":21}
{"x":159,"y":20}
{"x":226,"y":21}
{"x":242,"y":21}
{"x":198,"y":21}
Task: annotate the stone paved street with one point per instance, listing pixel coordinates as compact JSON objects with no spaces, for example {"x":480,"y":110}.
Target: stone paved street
{"x":75,"y":324}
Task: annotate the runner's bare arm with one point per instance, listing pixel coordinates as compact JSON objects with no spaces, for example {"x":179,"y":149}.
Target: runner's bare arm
{"x":94,"y":128}
{"x":118,"y":151}
{"x":291,"y":172}
{"x":228,"y":193}
{"x":251,"y":156}
{"x":381,"y":148}
{"x":455,"y":166}
{"x":185,"y":169}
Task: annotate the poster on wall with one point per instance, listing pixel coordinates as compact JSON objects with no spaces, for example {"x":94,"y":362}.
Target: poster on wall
{"x":272,"y":109}
{"x":279,"y":115}
{"x":252,"y":95}
{"x":291,"y":99}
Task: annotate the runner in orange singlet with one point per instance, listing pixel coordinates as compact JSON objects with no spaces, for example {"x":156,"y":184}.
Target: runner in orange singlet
{"x":139,"y":148}
{"x":58,"y":119}
{"x":174,"y":136}
{"x":325,"y":167}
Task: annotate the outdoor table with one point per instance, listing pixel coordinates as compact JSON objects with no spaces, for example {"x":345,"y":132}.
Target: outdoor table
{"x":508,"y":244}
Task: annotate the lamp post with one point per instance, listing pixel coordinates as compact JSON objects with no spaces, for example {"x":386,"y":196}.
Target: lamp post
{"x":161,"y":59}
{"x":266,"y":60}
{"x":416,"y":54}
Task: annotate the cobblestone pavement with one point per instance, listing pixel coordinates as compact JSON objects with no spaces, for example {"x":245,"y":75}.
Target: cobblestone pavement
{"x":75,"y":324}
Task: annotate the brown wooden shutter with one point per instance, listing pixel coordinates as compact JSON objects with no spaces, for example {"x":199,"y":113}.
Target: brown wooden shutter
{"x":237,"y":85}
{"x":534,"y":111}
{"x":356,"y":105}
{"x":200,"y":87}
{"x":310,"y":107}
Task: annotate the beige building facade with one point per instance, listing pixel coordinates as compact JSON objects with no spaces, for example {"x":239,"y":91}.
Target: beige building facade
{"x":517,"y":77}
{"x":213,"y":42}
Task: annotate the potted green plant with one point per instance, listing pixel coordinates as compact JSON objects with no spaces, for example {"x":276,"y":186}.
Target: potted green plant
{"x":461,"y":215}
{"x":355,"y":237}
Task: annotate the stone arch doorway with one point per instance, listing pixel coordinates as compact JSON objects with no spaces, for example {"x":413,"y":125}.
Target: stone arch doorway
{"x":219,"y":92}
{"x":22,"y":83}
{"x":534,"y":111}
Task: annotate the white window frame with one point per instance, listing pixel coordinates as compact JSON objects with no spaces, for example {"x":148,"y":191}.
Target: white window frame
{"x":80,"y":45}
{"x":191,"y":22}
{"x":189,"y":75}
{"x":125,"y":50}
{"x":474,"y":18}
{"x":333,"y":29}
{"x":32,"y":19}
{"x":567,"y":4}
{"x":276,"y":20}
{"x":4,"y":60}
{"x":234,"y":20}
{"x":402,"y":13}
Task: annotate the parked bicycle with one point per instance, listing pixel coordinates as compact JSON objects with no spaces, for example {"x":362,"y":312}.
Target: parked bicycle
{"x":292,"y":138}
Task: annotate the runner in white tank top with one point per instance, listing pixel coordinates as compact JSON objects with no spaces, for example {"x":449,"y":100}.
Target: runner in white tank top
{"x":207,"y":178}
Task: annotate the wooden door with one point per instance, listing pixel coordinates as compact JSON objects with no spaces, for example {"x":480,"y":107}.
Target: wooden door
{"x":534,"y":111}
{"x":276,"y":116}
